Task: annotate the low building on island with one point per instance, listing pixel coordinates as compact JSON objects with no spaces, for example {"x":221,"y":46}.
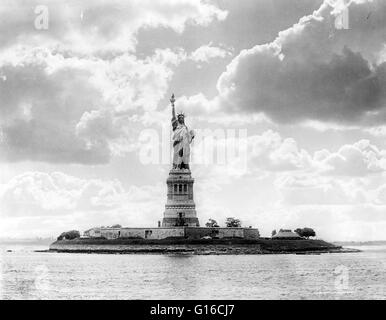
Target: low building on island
{"x":286,"y":234}
{"x":171,"y":232}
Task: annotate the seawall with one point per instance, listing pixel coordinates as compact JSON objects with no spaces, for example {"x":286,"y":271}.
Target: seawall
{"x":192,"y":246}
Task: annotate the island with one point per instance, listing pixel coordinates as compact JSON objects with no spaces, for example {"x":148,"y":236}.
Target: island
{"x":180,"y":230}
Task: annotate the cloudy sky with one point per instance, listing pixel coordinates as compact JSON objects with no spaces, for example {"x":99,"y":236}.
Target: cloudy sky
{"x":85,"y":114}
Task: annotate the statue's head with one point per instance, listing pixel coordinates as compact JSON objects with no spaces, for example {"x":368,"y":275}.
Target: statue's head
{"x":181,"y":118}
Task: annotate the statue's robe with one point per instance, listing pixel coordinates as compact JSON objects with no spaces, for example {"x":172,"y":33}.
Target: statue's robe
{"x":181,"y":145}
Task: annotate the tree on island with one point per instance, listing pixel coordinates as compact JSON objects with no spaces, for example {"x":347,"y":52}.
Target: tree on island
{"x":305,"y":232}
{"x":273,"y":233}
{"x":232,"y":222}
{"x":212,"y":223}
{"x":116,"y":226}
{"x":69,"y":235}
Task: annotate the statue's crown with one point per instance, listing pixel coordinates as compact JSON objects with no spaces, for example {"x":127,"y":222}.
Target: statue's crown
{"x":180,"y":114}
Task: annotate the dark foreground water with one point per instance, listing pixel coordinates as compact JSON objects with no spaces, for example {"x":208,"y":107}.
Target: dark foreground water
{"x":25,"y":274}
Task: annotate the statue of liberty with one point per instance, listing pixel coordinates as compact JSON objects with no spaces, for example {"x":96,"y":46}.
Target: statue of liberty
{"x":180,"y":209}
{"x":181,"y":138}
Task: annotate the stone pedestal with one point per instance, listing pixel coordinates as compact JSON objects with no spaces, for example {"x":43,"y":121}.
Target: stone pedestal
{"x":180,"y":209}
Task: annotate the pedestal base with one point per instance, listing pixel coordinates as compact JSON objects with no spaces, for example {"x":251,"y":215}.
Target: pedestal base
{"x":180,"y":209}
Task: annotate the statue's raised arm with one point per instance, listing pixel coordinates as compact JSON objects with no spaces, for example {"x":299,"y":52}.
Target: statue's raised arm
{"x":174,"y":119}
{"x":181,"y":139}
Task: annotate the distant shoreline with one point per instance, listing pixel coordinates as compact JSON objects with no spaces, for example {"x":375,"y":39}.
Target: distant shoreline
{"x":41,"y":242}
{"x":360,"y":243}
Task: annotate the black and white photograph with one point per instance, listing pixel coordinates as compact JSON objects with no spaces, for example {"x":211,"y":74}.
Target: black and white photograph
{"x":218,"y":150}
